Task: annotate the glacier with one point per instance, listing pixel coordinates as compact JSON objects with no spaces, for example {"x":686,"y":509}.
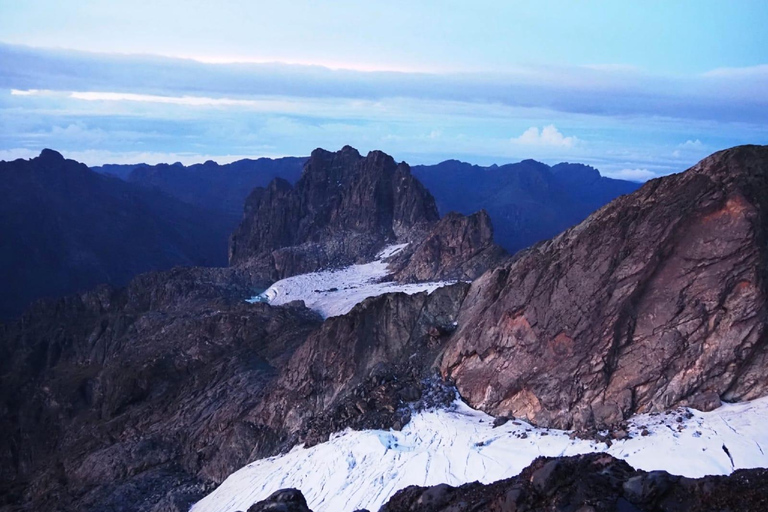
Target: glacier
{"x":363,"y":469}
{"x":336,"y":292}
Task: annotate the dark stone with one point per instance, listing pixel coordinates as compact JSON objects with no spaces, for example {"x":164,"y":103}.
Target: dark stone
{"x":457,"y":247}
{"x":284,"y":500}
{"x":596,"y":483}
{"x":344,"y":209}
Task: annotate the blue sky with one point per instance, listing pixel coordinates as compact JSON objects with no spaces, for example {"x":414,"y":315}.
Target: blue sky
{"x":637,"y":89}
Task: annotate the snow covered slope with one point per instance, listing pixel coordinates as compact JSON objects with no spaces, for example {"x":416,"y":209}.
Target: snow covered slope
{"x":363,"y":469}
{"x":336,"y":292}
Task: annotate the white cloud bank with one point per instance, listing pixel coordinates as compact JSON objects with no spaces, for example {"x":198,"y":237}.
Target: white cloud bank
{"x":548,"y":136}
{"x":640,"y":175}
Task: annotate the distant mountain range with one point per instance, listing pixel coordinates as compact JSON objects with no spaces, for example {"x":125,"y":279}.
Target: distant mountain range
{"x":210,"y":185}
{"x":65,"y":228}
{"x":528,"y":201}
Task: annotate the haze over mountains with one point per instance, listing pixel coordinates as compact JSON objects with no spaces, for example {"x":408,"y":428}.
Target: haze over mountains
{"x":527,"y":201}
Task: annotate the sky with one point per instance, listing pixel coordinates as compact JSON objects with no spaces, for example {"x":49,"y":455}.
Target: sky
{"x":636,"y":88}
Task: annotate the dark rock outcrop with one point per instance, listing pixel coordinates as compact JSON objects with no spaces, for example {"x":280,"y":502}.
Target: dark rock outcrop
{"x":111,"y":398}
{"x":65,"y":229}
{"x":362,"y":369}
{"x":284,"y":500}
{"x":343,"y":210}
{"x":528,"y":201}
{"x":591,"y":483}
{"x":148,"y":396}
{"x":656,"y":300}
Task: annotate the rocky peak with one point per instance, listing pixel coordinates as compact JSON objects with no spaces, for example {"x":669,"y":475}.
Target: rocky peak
{"x":656,"y":300}
{"x":343,"y":208}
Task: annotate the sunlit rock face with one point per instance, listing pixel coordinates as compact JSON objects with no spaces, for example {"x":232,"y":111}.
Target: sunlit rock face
{"x":657,"y":299}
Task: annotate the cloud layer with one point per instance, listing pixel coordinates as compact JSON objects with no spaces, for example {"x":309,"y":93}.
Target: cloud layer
{"x":624,"y":122}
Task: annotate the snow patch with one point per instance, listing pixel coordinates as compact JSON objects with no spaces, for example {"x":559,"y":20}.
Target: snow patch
{"x":363,"y":469}
{"x":336,"y":292}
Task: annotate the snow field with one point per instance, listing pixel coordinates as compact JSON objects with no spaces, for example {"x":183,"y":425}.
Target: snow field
{"x":364,"y":469}
{"x":336,"y":292}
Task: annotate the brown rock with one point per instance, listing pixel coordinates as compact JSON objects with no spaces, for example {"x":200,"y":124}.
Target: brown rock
{"x":457,"y":247}
{"x":654,"y":299}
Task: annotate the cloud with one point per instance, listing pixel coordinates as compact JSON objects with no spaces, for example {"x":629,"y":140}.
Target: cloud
{"x":601,"y":91}
{"x":692,"y":144}
{"x":640,"y":175}
{"x":548,"y":136}
{"x":689,"y":147}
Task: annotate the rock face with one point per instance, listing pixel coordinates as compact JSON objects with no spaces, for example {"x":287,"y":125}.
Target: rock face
{"x":361,"y":369}
{"x":65,"y":229}
{"x":344,"y":208}
{"x":591,"y":483}
{"x":143,"y":398}
{"x":656,"y":300}
{"x":111,"y":397}
{"x":458,"y":247}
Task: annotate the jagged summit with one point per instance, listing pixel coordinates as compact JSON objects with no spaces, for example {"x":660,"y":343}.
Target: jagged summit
{"x":658,"y":299}
{"x":344,"y":208}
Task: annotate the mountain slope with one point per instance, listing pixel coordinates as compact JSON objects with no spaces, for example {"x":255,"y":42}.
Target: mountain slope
{"x":657,"y":299}
{"x":66,"y":228}
{"x":527,"y":201}
{"x":111,"y":396}
{"x":142,"y":399}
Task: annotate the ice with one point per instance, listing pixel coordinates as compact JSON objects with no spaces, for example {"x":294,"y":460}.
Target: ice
{"x":336,"y":292}
{"x":363,"y":469}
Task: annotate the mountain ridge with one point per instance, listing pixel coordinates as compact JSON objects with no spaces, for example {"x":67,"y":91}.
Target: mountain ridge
{"x":66,"y":228}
